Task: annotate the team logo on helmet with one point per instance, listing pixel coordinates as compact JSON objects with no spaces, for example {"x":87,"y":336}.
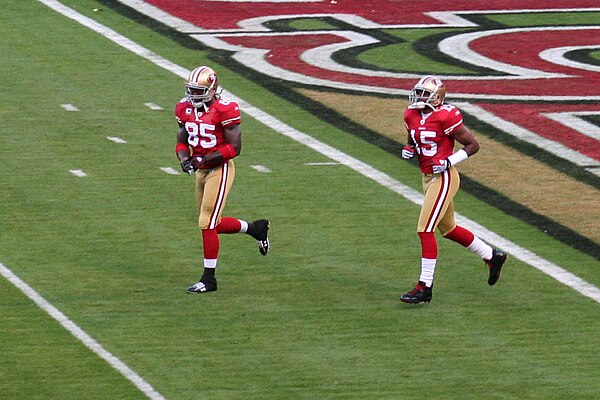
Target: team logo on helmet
{"x":201,"y":86}
{"x":428,"y":92}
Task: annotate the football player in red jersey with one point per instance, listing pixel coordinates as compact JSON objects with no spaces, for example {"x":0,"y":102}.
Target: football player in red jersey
{"x":208,"y":139}
{"x":433,"y":127}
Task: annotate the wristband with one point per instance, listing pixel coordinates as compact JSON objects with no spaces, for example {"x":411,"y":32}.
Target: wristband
{"x":457,"y":157}
{"x":181,"y":146}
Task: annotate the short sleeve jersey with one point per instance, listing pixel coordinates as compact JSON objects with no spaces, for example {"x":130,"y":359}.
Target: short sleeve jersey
{"x":205,"y":128}
{"x":432,"y":133}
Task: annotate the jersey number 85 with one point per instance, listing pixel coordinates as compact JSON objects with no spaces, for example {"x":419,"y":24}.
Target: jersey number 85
{"x":201,"y":134}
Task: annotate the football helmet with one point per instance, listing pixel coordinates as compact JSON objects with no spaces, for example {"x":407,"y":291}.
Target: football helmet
{"x":429,"y":91}
{"x":201,"y":86}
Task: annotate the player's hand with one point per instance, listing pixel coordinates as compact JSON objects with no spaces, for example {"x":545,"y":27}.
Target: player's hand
{"x":408,"y":152}
{"x":187,"y":167}
{"x":197,"y":162}
{"x":441,"y":167}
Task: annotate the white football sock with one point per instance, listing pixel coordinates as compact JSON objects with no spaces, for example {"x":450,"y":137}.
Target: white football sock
{"x":480,"y":247}
{"x":427,"y":271}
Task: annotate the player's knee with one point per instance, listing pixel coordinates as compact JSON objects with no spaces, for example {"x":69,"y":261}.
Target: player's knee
{"x":446,"y":230}
{"x":203,"y":223}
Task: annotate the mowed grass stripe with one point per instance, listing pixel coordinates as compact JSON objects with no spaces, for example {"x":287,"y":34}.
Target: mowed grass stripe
{"x":80,"y":334}
{"x":383,"y":179}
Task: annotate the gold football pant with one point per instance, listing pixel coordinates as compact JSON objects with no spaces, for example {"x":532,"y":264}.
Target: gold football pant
{"x":438,"y":204}
{"x":212,"y":188}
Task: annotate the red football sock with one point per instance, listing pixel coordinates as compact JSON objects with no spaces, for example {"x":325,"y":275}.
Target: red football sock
{"x":429,"y":248}
{"x":229,"y":225}
{"x":461,"y":235}
{"x":210,"y":243}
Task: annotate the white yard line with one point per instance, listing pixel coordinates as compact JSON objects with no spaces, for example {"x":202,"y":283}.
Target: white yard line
{"x":80,"y":334}
{"x":362,"y":168}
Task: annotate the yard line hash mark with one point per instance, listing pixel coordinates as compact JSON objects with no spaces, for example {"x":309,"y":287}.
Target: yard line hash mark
{"x":69,"y":107}
{"x":261,"y":168}
{"x":169,"y":170}
{"x":77,"y":172}
{"x":321,"y":163}
{"x":116,"y":139}
{"x":153,"y":106}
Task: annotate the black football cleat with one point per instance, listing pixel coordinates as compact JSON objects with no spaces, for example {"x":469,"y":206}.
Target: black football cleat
{"x":203,"y":286}
{"x":495,"y":265}
{"x":260,"y":233}
{"x":421,"y":293}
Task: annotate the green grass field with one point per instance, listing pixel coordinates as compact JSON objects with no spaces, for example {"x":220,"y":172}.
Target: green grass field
{"x":318,"y":318}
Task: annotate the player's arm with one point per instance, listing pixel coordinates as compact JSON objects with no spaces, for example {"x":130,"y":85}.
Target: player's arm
{"x":470,"y":146}
{"x":182,"y":149}
{"x":408,"y":151}
{"x":230,"y":149}
{"x":464,"y":136}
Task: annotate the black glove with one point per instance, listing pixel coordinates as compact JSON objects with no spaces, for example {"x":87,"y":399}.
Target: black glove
{"x":187,"y":167}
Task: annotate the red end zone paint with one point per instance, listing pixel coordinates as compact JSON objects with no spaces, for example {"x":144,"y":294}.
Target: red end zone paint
{"x":509,"y":52}
{"x":226,"y":15}
{"x":520,"y":49}
{"x":495,"y":50}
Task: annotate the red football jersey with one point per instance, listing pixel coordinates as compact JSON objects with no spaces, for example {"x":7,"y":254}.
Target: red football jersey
{"x":205,"y":129}
{"x":432,"y":133}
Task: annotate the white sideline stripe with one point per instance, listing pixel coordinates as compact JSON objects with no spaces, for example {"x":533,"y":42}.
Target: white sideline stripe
{"x":383,"y":179}
{"x":321,"y":163}
{"x":80,"y":334}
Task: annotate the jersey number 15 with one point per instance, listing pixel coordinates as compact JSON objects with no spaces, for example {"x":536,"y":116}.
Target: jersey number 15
{"x":423,"y":144}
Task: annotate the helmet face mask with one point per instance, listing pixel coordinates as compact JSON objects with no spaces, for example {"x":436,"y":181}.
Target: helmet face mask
{"x":201,"y":86}
{"x":428,"y":92}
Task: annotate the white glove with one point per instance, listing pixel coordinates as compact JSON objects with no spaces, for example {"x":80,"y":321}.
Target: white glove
{"x":408,"y":152}
{"x":444,"y":165}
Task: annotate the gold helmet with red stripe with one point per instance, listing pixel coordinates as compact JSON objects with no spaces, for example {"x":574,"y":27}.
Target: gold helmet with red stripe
{"x":429,"y":91}
{"x":201,"y":86}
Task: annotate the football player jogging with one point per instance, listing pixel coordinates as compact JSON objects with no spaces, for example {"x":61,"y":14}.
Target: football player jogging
{"x":208,"y":139}
{"x":433,"y":127}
